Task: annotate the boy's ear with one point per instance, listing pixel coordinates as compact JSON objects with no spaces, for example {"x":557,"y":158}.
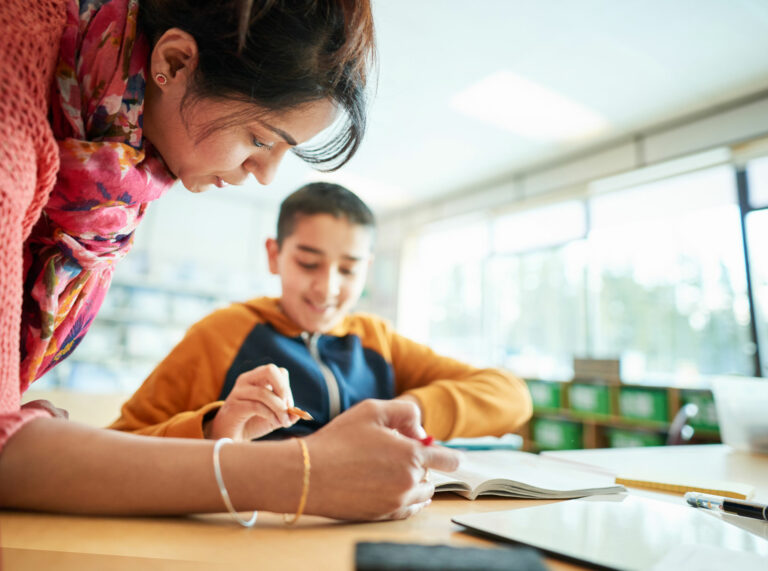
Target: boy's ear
{"x":273,"y":249}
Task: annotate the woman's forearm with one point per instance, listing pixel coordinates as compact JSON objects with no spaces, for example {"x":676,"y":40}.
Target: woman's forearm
{"x":62,"y":466}
{"x":368,"y":463}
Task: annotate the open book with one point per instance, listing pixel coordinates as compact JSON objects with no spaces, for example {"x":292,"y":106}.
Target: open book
{"x":515,"y":474}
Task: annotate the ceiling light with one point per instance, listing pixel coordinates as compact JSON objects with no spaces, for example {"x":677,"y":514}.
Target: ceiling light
{"x":528,"y":109}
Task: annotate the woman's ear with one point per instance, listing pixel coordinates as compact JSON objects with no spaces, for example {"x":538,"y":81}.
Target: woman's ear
{"x":273,"y":251}
{"x":174,"y":58}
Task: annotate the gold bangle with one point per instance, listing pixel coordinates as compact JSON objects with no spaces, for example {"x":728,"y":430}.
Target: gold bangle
{"x":304,"y":486}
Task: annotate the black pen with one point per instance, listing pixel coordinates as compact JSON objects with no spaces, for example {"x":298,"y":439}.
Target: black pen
{"x":728,"y":505}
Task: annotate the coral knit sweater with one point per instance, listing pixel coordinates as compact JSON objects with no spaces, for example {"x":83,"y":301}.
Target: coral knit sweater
{"x":29,"y":42}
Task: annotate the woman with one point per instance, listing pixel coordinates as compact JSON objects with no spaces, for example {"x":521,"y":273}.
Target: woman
{"x":103,"y":104}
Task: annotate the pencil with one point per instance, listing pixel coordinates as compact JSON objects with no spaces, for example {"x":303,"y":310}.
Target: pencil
{"x":301,"y":413}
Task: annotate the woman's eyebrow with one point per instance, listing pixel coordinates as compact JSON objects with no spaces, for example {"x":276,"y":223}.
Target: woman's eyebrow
{"x":280,"y":133}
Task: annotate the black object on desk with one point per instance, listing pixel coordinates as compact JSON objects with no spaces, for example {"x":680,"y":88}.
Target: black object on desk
{"x":727,"y":505}
{"x":386,"y":556}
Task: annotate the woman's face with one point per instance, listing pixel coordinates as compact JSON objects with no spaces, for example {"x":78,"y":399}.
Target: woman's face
{"x":194,"y":149}
{"x":203,"y":158}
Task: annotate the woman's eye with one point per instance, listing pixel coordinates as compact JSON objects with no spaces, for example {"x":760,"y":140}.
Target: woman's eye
{"x":308,"y":266}
{"x":261,"y":144}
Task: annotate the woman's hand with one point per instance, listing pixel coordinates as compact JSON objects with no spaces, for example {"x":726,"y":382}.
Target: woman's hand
{"x":255,"y":407}
{"x":368,"y":463}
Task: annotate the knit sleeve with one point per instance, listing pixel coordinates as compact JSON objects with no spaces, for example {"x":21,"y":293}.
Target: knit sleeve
{"x":28,"y":165}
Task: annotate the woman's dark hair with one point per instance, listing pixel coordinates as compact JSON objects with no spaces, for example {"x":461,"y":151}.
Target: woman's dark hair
{"x":278,"y":54}
{"x":322,"y":198}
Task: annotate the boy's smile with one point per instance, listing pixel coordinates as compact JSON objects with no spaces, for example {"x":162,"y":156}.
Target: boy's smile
{"x":322,"y":267}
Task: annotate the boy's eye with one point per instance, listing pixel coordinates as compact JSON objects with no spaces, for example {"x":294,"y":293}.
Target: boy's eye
{"x":347,"y":271}
{"x":308,"y":266}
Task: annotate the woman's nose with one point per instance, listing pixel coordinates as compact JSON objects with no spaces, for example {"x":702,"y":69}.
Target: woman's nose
{"x":264,"y":166}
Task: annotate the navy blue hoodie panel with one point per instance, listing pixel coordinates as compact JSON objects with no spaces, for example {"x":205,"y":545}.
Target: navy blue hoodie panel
{"x":264,"y":345}
{"x":361,"y":373}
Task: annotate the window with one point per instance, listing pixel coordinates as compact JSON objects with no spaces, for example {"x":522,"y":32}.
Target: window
{"x":441,"y":290}
{"x":667,"y":287}
{"x":757,"y":178}
{"x":538,"y":228}
{"x":757,"y":237}
{"x":653,"y":275}
{"x":535,"y":304}
{"x":535,"y":299}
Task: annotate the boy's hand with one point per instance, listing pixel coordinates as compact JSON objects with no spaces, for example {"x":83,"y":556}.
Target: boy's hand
{"x":255,"y":407}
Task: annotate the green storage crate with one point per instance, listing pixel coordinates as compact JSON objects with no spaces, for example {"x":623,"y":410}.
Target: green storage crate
{"x":622,"y":438}
{"x":643,"y":404}
{"x":706,"y":419}
{"x":589,"y":398}
{"x":552,"y":434}
{"x":545,"y":394}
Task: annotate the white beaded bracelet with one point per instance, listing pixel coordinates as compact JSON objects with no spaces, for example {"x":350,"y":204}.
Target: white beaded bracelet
{"x":223,"y":489}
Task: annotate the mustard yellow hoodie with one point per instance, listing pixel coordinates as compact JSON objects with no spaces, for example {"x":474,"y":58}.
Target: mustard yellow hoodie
{"x":362,"y":357}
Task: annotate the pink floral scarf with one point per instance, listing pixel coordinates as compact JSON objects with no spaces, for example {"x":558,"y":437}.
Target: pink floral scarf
{"x":108,"y":174}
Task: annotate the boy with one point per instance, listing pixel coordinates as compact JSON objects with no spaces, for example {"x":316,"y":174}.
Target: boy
{"x":238,"y":372}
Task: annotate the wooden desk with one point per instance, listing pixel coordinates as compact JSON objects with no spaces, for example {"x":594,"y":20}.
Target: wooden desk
{"x":41,"y":541}
{"x":710,"y":461}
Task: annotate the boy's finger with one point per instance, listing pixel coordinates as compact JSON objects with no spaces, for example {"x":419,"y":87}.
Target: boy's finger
{"x":257,"y":409}
{"x":268,"y":376}
{"x":288,"y":392}
{"x":280,"y":385}
{"x":269,"y":399}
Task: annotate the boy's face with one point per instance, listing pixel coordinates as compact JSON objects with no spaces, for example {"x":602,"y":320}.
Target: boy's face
{"x":322,"y":268}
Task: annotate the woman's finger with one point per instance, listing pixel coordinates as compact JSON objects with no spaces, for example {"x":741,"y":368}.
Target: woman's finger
{"x":440,"y":458}
{"x":407,"y":511}
{"x":420,"y":493}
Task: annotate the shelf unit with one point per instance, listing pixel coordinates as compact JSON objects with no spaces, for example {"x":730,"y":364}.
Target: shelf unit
{"x":139,"y":323}
{"x":597,"y":410}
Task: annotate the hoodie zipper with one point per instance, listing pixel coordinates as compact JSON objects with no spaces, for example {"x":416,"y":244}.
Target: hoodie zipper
{"x":334,"y":399}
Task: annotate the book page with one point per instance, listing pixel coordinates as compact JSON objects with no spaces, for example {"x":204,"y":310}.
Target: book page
{"x":520,"y":474}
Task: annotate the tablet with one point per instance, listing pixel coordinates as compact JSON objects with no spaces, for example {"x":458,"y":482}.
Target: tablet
{"x":618,"y":531}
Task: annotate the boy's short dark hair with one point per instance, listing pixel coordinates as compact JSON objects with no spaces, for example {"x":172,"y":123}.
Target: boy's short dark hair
{"x":322,"y":198}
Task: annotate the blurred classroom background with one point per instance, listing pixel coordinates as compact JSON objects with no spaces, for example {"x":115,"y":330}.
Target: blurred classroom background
{"x":575,"y":191}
